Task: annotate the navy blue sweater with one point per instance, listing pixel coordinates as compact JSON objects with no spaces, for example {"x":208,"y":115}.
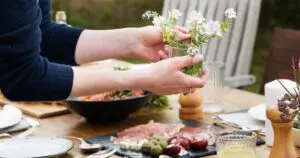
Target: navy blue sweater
{"x":35,"y":53}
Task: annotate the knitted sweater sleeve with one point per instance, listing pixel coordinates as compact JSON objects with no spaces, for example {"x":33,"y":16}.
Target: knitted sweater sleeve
{"x":25,"y":74}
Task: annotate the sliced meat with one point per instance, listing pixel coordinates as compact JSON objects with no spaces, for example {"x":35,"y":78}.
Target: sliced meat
{"x":148,"y":130}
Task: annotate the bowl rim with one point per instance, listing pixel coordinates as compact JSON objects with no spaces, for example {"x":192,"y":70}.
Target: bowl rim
{"x":75,"y":99}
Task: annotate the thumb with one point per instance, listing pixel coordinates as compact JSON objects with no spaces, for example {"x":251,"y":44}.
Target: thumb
{"x":185,"y":61}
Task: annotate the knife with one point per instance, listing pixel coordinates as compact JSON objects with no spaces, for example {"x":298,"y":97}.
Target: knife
{"x":103,"y":154}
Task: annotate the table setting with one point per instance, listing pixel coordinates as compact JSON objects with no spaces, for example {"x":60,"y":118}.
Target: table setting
{"x":94,"y":133}
{"x":216,"y":121}
{"x":168,"y":116}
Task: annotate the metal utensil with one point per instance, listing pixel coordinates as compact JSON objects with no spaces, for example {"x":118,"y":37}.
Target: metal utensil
{"x":255,"y":130}
{"x":85,"y":146}
{"x":103,"y":154}
{"x":219,"y":122}
{"x":164,"y":156}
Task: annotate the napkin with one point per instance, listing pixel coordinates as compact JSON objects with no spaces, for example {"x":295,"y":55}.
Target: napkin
{"x":242,"y":119}
{"x":21,"y":126}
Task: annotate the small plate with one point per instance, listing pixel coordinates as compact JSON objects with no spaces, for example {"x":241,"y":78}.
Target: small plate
{"x":9,"y":116}
{"x":34,"y":147}
{"x":258,"y":112}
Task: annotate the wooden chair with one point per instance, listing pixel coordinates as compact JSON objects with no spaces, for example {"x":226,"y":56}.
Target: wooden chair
{"x":285,"y":45}
{"x":236,"y":48}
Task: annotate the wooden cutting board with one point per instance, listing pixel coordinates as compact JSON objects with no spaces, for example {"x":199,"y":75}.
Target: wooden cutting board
{"x":38,"y":109}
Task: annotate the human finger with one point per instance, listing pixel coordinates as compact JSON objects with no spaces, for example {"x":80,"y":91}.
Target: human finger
{"x":163,"y":54}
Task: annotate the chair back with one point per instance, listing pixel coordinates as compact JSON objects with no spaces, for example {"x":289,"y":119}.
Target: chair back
{"x":235,"y":48}
{"x":285,"y":45}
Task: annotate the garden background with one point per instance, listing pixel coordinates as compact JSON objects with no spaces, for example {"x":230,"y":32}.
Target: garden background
{"x":109,"y":14}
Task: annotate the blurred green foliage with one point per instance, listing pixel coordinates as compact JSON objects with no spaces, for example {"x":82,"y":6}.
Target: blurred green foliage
{"x":274,"y":13}
{"x":107,"y":14}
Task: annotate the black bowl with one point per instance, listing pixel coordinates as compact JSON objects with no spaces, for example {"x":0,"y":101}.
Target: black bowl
{"x":107,"y":111}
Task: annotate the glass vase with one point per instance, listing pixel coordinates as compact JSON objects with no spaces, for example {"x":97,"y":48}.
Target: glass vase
{"x":194,"y":70}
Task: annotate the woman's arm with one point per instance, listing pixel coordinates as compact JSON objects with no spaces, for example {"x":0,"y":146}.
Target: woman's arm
{"x":144,"y":42}
{"x":161,"y":78}
{"x":27,"y":76}
{"x":58,"y":40}
{"x":95,"y":45}
{"x":73,"y":46}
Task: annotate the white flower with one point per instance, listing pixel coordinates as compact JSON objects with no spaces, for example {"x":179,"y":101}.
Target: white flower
{"x":174,"y":14}
{"x":212,"y":28}
{"x":194,"y":50}
{"x":159,"y":21}
{"x":149,"y":14}
{"x":196,"y":17}
{"x":230,"y":13}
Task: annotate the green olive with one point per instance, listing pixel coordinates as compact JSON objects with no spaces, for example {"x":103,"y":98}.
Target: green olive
{"x":156,"y":150}
{"x":163,"y":144}
{"x":146,"y":147}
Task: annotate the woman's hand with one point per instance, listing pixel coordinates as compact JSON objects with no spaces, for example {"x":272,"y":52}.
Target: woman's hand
{"x":149,"y":43}
{"x":165,"y":77}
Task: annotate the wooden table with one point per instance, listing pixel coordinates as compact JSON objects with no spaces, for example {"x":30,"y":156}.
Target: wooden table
{"x":75,"y":125}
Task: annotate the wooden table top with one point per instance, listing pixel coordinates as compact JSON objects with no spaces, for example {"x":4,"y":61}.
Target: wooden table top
{"x":74,"y":125}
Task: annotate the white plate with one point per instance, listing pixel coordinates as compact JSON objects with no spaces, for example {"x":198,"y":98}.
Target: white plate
{"x":9,"y":116}
{"x":258,"y":112}
{"x":34,"y":147}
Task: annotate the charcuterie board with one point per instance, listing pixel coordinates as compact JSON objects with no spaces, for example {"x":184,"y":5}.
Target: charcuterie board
{"x":133,"y":133}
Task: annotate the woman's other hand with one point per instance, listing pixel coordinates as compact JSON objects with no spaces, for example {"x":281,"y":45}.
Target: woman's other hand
{"x":149,"y":43}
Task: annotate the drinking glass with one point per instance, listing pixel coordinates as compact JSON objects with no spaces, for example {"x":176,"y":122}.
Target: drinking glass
{"x":236,"y":145}
{"x":213,"y":91}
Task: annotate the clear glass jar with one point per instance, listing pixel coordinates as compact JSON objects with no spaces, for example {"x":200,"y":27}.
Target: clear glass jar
{"x":236,"y":145}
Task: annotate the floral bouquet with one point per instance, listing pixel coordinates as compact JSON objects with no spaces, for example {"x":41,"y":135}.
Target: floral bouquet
{"x":201,"y":31}
{"x":289,"y":105}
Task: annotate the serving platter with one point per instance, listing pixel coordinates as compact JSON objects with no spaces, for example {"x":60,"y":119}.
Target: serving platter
{"x":106,"y":141}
